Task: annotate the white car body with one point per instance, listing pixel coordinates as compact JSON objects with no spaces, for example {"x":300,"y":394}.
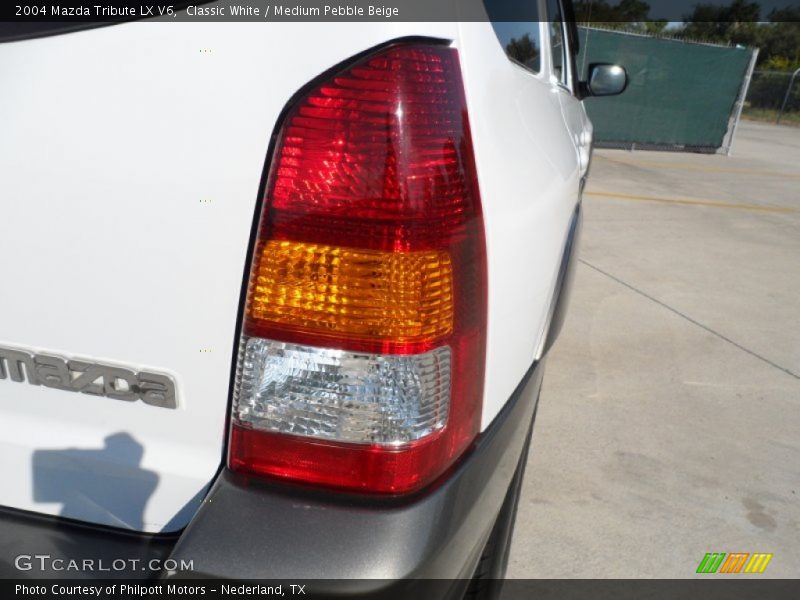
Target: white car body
{"x":130,"y":163}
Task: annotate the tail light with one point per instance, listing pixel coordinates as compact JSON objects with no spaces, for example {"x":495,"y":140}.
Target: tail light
{"x":362,"y":355}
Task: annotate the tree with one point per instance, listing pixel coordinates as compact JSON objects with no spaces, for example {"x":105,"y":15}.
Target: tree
{"x":738,"y":23}
{"x":594,"y":11}
{"x":780,"y":40}
{"x":628,"y":15}
{"x":523,"y":49}
{"x":734,"y":24}
{"x":633,"y":11}
{"x":785,"y":15}
{"x":656,"y":27}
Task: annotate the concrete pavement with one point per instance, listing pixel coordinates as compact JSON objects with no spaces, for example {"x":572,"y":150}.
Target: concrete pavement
{"x":669,"y":421}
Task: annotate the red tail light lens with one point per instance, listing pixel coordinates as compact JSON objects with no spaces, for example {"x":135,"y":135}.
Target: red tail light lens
{"x":364,"y":338}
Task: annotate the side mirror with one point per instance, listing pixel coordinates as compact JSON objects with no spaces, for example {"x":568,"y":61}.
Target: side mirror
{"x":606,"y":80}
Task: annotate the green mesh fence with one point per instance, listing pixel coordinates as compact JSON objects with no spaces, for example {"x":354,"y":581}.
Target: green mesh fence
{"x":681,"y":95}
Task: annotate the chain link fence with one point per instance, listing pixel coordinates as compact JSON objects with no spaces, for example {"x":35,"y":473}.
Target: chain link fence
{"x":773,"y":96}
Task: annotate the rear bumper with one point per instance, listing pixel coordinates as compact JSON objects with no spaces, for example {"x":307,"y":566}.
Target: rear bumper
{"x":35,"y":546}
{"x":291,"y":534}
{"x":250,"y":529}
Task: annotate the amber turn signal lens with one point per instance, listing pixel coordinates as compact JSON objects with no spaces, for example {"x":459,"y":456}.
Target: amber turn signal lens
{"x":367,"y":294}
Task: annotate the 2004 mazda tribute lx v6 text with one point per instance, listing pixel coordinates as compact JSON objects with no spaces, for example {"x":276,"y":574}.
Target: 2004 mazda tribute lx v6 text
{"x":276,"y":298}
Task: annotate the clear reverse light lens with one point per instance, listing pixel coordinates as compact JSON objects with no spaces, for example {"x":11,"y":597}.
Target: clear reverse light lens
{"x":342,"y":395}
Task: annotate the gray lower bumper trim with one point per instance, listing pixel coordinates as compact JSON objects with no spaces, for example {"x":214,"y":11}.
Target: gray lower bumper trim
{"x":251,"y":529}
{"x":25,"y":536}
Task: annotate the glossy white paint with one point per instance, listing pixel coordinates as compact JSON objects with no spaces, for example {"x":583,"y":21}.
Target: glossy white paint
{"x":129,"y":167}
{"x":529,"y":173}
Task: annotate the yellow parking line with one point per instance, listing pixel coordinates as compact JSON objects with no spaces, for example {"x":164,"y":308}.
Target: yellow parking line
{"x":702,"y":168}
{"x":693,"y":202}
